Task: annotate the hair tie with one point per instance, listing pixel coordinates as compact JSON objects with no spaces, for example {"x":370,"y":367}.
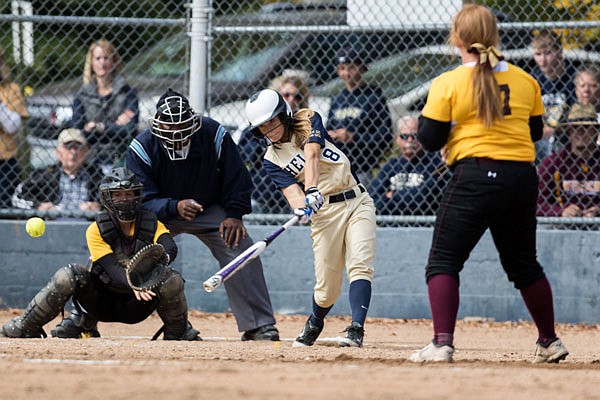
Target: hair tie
{"x":487,"y":55}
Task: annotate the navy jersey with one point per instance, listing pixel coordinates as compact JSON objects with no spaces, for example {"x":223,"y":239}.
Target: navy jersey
{"x":414,"y":186}
{"x":212,"y":173}
{"x":365,"y":113}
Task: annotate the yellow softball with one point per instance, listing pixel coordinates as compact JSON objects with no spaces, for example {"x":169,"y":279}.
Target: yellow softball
{"x":35,"y":227}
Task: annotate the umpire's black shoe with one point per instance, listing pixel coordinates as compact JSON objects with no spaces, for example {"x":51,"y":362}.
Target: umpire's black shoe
{"x":354,"y":337}
{"x":308,"y":336}
{"x":266,"y":332}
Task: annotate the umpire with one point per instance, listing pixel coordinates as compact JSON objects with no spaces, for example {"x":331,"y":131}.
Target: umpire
{"x":195,"y":181}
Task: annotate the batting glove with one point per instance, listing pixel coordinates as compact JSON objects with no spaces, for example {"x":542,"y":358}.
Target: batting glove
{"x":304,"y":214}
{"x":314,"y":199}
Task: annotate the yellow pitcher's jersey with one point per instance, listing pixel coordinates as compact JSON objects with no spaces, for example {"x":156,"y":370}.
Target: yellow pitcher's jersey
{"x":285,"y":163}
{"x":450,"y":100}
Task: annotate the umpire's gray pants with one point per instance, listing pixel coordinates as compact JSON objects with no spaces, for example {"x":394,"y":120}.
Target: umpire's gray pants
{"x":246,"y":290}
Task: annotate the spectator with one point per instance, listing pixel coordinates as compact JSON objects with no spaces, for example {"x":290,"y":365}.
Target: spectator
{"x":410,"y":183}
{"x":106,"y":107}
{"x":12,"y":112}
{"x":570,"y":178}
{"x":294,"y":89}
{"x":195,"y":182}
{"x":587,"y":86}
{"x":359,"y":121}
{"x":69,"y":185}
{"x":555,"y":77}
{"x":265,"y":197}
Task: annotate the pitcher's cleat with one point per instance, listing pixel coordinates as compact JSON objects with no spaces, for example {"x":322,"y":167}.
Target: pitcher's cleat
{"x":433,"y":353}
{"x":551,"y":353}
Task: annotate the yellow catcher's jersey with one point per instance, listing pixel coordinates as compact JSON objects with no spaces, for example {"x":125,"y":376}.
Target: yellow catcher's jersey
{"x":450,"y":100}
{"x":285,"y":163}
{"x":99,"y":248}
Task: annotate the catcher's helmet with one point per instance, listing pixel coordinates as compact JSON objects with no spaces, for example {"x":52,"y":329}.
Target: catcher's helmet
{"x":174,"y":124}
{"x":121,"y":194}
{"x":265,"y":105}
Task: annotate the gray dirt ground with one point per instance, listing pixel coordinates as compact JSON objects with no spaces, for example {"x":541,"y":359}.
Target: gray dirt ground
{"x":491,"y":362}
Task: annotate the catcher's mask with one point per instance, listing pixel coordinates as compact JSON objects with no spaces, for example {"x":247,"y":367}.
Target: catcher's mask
{"x":174,"y":124}
{"x":264,"y":106}
{"x":121,"y":194}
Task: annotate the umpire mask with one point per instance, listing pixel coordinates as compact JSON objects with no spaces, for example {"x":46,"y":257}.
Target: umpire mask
{"x":174,"y":124}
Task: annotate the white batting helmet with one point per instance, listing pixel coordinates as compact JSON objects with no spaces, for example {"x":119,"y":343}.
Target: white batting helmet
{"x":265,"y":105}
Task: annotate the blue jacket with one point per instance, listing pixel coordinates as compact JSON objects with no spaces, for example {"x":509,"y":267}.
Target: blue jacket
{"x":416,"y":185}
{"x":561,"y":90}
{"x":364,"y":112}
{"x":213,"y":173}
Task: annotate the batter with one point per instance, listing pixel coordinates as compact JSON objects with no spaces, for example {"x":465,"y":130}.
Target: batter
{"x":318,"y":182}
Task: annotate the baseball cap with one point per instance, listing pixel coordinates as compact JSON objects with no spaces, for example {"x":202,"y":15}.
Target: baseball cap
{"x":348,"y":55}
{"x":580,"y":114}
{"x":72,"y":135}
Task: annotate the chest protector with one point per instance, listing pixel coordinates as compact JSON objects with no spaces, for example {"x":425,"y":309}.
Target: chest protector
{"x":125,"y":247}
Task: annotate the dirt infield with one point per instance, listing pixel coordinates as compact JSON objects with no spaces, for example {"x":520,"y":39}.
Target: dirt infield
{"x":491,"y":362}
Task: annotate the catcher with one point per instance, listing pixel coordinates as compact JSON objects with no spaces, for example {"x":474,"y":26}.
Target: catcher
{"x":127,"y":278}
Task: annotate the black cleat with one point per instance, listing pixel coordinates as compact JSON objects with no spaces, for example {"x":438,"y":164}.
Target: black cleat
{"x":266,"y":332}
{"x":308,"y":336}
{"x":190,"y":334}
{"x":354,"y":337}
{"x":67,"y":329}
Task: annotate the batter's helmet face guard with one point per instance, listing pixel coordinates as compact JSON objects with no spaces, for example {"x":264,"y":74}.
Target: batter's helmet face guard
{"x":121,"y":194}
{"x":264,"y":106}
{"x":174,"y":124}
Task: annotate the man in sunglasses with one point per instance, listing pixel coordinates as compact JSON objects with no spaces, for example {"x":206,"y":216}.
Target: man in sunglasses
{"x":412,"y":182}
{"x":69,"y":185}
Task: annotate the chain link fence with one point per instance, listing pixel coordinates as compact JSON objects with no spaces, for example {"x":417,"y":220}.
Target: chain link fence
{"x":296,"y":48}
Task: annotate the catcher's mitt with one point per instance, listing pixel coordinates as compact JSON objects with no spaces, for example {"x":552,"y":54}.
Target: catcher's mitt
{"x":148,"y":268}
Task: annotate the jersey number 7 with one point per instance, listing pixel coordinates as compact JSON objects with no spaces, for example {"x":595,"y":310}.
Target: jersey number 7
{"x":506,"y":107}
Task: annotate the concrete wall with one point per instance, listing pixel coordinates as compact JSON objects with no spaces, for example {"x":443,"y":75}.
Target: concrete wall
{"x":571,"y":260}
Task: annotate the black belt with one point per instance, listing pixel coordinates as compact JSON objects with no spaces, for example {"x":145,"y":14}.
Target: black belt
{"x":347,"y":195}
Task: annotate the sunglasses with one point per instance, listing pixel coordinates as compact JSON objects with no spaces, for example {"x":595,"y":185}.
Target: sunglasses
{"x":73,"y":145}
{"x":406,"y":136}
{"x":296,"y":96}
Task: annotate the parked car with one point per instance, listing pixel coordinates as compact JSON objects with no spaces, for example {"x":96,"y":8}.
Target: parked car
{"x":242,"y":61}
{"x":405,"y":79}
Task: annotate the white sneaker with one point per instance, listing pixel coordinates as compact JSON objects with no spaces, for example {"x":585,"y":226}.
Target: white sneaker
{"x":433,"y":353}
{"x":555,"y":352}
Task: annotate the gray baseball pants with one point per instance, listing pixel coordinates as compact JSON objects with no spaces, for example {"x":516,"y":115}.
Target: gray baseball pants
{"x":246,"y":290}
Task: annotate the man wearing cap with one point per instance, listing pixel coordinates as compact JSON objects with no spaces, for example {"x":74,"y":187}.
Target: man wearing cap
{"x":570,"y":177}
{"x":69,"y":185}
{"x":359,"y":120}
